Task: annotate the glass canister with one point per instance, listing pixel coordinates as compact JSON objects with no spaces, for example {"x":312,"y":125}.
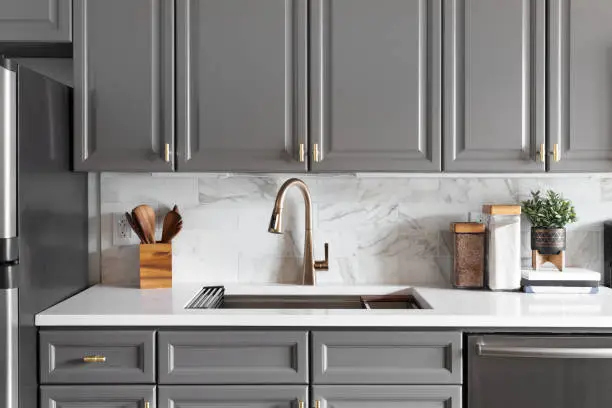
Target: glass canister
{"x":503,"y":262}
{"x":468,"y":255}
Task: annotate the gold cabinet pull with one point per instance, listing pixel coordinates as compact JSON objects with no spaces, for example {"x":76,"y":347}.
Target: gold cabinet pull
{"x":147,"y":404}
{"x":300,"y":404}
{"x":302,"y":153}
{"x":167,"y":152}
{"x":542,"y":153}
{"x":556,"y":155}
{"x":94,"y":359}
{"x":315,"y":153}
{"x":317,"y":404}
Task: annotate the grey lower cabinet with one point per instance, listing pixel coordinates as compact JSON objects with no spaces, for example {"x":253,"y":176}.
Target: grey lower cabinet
{"x":107,"y":396}
{"x":124,"y":85}
{"x":241,"y":85}
{"x":580,"y":123}
{"x":351,"y":396}
{"x":494,"y":111}
{"x":254,"y":396}
{"x":375,"y":90}
{"x":36,"y":21}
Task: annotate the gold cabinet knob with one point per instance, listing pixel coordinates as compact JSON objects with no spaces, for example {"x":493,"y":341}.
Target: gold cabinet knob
{"x":94,"y":359}
{"x":302,"y":153}
{"x":316,"y":157}
{"x":167,"y":152}
{"x":542,"y":152}
{"x":556,"y":153}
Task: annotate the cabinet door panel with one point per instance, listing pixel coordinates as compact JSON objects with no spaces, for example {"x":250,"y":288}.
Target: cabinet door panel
{"x":375,"y":85}
{"x":35,"y":20}
{"x":278,"y":396}
{"x":580,"y":90}
{"x":241,"y":84}
{"x":494,"y":85}
{"x":432,"y":396}
{"x":81,"y":396}
{"x":124,"y":76}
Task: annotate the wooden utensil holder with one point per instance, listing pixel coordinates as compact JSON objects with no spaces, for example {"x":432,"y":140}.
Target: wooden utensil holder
{"x":155,"y":266}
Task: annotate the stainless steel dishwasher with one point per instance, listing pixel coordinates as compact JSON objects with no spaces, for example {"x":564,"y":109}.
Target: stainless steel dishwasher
{"x":549,"y":371}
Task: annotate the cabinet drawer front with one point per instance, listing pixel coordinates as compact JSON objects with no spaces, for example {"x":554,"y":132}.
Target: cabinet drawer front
{"x":386,"y":358}
{"x":100,"y":396}
{"x":97,"y":357}
{"x":233,"y":357}
{"x":243,"y":396}
{"x":388,"y":396}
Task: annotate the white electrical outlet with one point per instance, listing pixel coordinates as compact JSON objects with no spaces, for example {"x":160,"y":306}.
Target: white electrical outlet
{"x":122,"y":231}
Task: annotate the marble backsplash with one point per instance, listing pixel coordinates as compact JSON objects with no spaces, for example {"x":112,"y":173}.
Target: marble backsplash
{"x":381,"y":230}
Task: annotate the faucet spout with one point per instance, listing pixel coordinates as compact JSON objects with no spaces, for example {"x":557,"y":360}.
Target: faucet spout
{"x":276,"y":225}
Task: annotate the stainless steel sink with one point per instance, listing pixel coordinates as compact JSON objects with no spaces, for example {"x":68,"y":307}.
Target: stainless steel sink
{"x":205,"y":300}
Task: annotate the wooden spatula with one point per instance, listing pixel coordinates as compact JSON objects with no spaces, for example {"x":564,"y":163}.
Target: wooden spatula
{"x":173,"y":224}
{"x":144,"y":216}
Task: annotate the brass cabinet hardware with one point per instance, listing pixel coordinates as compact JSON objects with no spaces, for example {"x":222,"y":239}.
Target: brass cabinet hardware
{"x":556,"y":155}
{"x":94,"y":359}
{"x":147,"y":404}
{"x":302,"y":153}
{"x":167,"y":153}
{"x":315,"y":153}
{"x":542,"y":152}
{"x":300,"y":404}
{"x":323,"y":265}
{"x":317,"y":404}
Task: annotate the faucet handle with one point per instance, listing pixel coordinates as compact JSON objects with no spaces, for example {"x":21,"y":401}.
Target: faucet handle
{"x":323,"y":265}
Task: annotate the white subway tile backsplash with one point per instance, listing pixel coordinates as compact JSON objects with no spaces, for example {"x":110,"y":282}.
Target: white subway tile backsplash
{"x":381,"y":229}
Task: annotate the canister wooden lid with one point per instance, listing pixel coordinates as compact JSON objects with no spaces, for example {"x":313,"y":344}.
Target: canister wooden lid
{"x":467,"y":227}
{"x":501,"y":209}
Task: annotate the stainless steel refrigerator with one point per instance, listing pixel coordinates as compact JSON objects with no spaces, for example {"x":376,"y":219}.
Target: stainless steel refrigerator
{"x":43,"y":214}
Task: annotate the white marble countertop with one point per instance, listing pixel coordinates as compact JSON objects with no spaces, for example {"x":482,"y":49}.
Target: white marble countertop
{"x":103,"y":305}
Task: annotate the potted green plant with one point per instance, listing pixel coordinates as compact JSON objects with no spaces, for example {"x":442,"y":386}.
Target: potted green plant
{"x":548,"y":214}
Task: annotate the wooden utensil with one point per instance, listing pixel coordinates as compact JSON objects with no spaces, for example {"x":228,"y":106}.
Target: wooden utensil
{"x":135,"y":227}
{"x":145,"y":217}
{"x":173,"y":224}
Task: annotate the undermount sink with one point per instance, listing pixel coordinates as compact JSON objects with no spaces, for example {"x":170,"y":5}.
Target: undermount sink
{"x":204,"y":300}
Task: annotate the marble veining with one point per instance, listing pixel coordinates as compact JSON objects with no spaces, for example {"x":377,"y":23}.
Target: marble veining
{"x":381,"y":229}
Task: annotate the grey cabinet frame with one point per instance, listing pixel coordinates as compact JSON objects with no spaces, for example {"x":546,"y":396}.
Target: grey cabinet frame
{"x":461,"y":155}
{"x":151,"y":153}
{"x":277,"y":396}
{"x":31,"y":25}
{"x":427,"y":131}
{"x":573,"y":155}
{"x":54,"y":396}
{"x":447,"y":396}
{"x":193,"y":153}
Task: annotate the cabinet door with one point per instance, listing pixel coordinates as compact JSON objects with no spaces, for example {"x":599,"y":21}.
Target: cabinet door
{"x":494,"y":111}
{"x":580,"y":85}
{"x":241,"y":85}
{"x":35,"y":20}
{"x":381,"y":396}
{"x":255,"y":396}
{"x":124,"y":75}
{"x":375,"y":85}
{"x":115,"y":396}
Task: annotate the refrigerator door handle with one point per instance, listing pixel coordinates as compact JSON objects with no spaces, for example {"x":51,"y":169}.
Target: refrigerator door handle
{"x":8,"y":155}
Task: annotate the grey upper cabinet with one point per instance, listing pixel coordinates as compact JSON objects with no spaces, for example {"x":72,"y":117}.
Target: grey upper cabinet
{"x":254,"y":396}
{"x":375,"y":93}
{"x":124,"y":79}
{"x":580,"y":100}
{"x":387,"y":396}
{"x":494,"y":111}
{"x":35,"y":21}
{"x":107,"y":396}
{"x":241,"y":85}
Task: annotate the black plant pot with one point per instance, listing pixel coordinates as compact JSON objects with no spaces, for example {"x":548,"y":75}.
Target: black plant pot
{"x":548,"y":241}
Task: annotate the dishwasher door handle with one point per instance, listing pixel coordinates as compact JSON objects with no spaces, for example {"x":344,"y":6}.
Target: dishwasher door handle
{"x":489,"y":350}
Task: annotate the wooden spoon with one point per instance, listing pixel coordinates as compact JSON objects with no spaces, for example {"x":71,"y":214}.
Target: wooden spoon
{"x":145,"y":217}
{"x":135,"y":227}
{"x":173,"y":224}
